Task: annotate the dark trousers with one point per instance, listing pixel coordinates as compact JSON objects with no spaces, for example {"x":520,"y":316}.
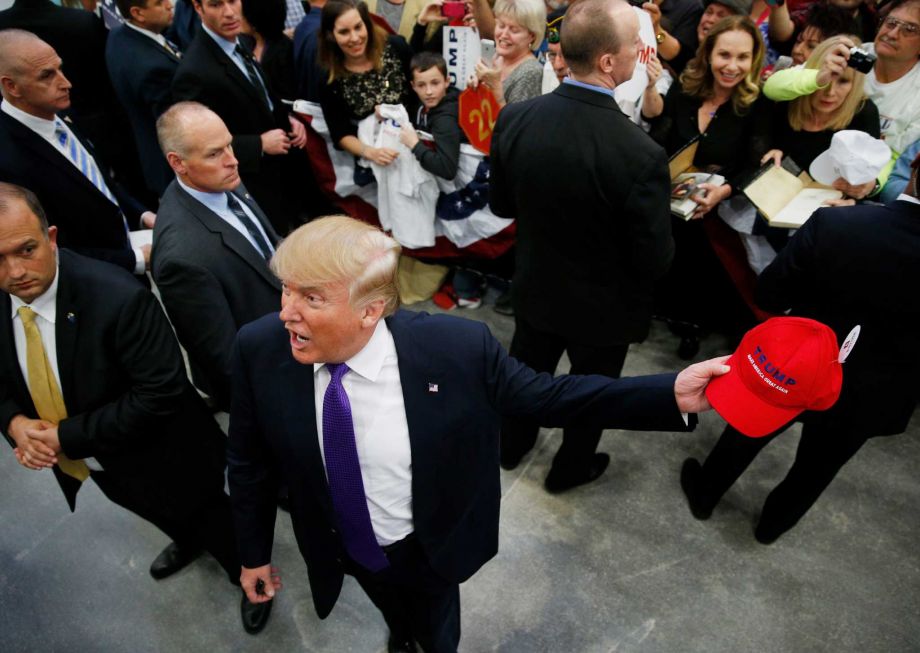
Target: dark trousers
{"x":196,"y":519}
{"x":824,"y":449}
{"x":416,"y":602}
{"x":542,"y":351}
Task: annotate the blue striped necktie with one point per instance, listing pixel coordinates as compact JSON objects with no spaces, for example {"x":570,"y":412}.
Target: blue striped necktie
{"x":83,"y":160}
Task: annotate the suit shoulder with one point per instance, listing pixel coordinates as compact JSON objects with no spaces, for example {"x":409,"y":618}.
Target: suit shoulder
{"x":436,"y":329}
{"x":94,"y":272}
{"x":266,"y":334}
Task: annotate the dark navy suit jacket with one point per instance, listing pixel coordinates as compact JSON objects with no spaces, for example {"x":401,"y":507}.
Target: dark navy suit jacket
{"x":87,"y":221}
{"x":453,"y":434}
{"x":859,"y":265}
{"x":142,"y":72}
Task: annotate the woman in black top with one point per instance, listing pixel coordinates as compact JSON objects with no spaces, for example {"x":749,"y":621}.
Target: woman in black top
{"x":717,"y":102}
{"x":365,"y":68}
{"x":803,"y":127}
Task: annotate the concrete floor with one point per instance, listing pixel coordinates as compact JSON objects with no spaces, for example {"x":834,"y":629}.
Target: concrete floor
{"x":619,"y":565}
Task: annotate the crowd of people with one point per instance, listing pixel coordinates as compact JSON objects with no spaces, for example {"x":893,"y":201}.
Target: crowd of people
{"x":166,"y":151}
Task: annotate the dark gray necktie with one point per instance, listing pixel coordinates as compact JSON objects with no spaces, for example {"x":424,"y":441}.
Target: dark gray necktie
{"x":253,"y":73}
{"x":234,"y":205}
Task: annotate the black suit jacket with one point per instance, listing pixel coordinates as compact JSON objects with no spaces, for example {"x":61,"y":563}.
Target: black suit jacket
{"x":129,"y":403}
{"x":87,"y":221}
{"x":212,"y":281}
{"x":859,"y":265}
{"x":454,"y":399}
{"x":589,"y":190}
{"x":79,"y":38}
{"x":142,"y":72}
{"x":209,"y":76}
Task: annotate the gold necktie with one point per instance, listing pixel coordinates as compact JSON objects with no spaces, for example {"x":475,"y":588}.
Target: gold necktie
{"x":46,"y":395}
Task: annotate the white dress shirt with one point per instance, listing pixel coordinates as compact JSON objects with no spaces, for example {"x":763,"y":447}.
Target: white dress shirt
{"x":46,"y":129}
{"x":217,"y":203}
{"x":381,"y":432}
{"x":45,"y":308}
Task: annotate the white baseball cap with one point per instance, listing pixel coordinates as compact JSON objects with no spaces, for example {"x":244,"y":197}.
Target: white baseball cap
{"x":853,"y":155}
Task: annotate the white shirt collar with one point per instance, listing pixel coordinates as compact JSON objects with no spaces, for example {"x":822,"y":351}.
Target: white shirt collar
{"x":159,"y":38}
{"x":45,"y":304}
{"x":904,"y":197}
{"x":225,"y":45}
{"x":369,"y":361}
{"x":42,"y":127}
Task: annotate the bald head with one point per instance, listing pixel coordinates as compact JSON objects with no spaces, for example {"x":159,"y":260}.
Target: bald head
{"x":176,"y":127}
{"x":12,"y":42}
{"x":595,"y":32}
{"x":31,"y":78}
{"x":198,"y":147}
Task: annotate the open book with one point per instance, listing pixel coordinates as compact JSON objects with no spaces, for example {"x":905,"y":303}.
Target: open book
{"x":685,"y":180}
{"x":786,"y":200}
{"x":686,"y":186}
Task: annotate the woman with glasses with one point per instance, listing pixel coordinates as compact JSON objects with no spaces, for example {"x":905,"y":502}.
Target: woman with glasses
{"x":515,"y":74}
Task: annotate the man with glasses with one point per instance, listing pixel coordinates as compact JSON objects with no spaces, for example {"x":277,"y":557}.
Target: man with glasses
{"x":894,"y":82}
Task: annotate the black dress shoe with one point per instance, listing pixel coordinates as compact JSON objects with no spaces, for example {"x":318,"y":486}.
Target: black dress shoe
{"x":765,"y":534}
{"x":556,"y":483}
{"x":397,"y":645}
{"x":690,"y":483}
{"x":688,"y":348}
{"x":254,"y":615}
{"x":172,"y":559}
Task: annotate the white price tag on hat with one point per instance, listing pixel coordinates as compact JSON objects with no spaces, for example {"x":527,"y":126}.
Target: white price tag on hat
{"x":847,"y":346}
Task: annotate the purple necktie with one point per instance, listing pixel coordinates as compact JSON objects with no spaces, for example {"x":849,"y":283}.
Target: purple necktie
{"x":344,"y":473}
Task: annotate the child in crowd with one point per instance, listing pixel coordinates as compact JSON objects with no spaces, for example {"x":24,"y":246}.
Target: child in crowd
{"x":435,"y":113}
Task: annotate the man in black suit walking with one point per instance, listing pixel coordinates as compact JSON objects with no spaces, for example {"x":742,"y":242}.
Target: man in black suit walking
{"x":141,"y":65}
{"x":43,"y":152}
{"x":211,"y":245}
{"x":847,"y":266}
{"x":220,"y":72}
{"x":92,"y":385}
{"x":590,"y":193}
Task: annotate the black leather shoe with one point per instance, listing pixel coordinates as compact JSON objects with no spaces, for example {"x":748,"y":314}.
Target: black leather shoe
{"x":254,"y":615}
{"x":556,"y":483}
{"x":688,"y":348}
{"x":765,"y":534}
{"x":396,"y":645}
{"x":689,"y":483}
{"x":172,"y":559}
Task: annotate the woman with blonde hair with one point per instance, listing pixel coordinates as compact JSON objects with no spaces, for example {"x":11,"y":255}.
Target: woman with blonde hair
{"x":515,"y":74}
{"x":831,"y":99}
{"x":718,"y":104}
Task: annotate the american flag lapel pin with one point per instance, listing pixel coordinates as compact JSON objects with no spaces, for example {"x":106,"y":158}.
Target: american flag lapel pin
{"x":432,"y":387}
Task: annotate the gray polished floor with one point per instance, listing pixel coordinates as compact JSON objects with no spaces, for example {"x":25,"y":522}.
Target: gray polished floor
{"x":616,"y":566}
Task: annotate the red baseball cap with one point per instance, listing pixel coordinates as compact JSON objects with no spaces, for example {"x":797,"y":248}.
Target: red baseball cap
{"x":782,"y":367}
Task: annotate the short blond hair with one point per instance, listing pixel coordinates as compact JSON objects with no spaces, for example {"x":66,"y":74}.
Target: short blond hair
{"x":340,"y":249}
{"x":529,"y":14}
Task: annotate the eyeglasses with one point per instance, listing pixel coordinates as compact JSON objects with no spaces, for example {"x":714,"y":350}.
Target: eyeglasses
{"x":552,"y":30}
{"x":907,"y":29}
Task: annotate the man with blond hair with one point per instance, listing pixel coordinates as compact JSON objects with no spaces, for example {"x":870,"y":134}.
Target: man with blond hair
{"x":392,"y":467}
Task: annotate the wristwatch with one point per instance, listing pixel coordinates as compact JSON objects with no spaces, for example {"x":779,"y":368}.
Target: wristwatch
{"x":660,"y":37}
